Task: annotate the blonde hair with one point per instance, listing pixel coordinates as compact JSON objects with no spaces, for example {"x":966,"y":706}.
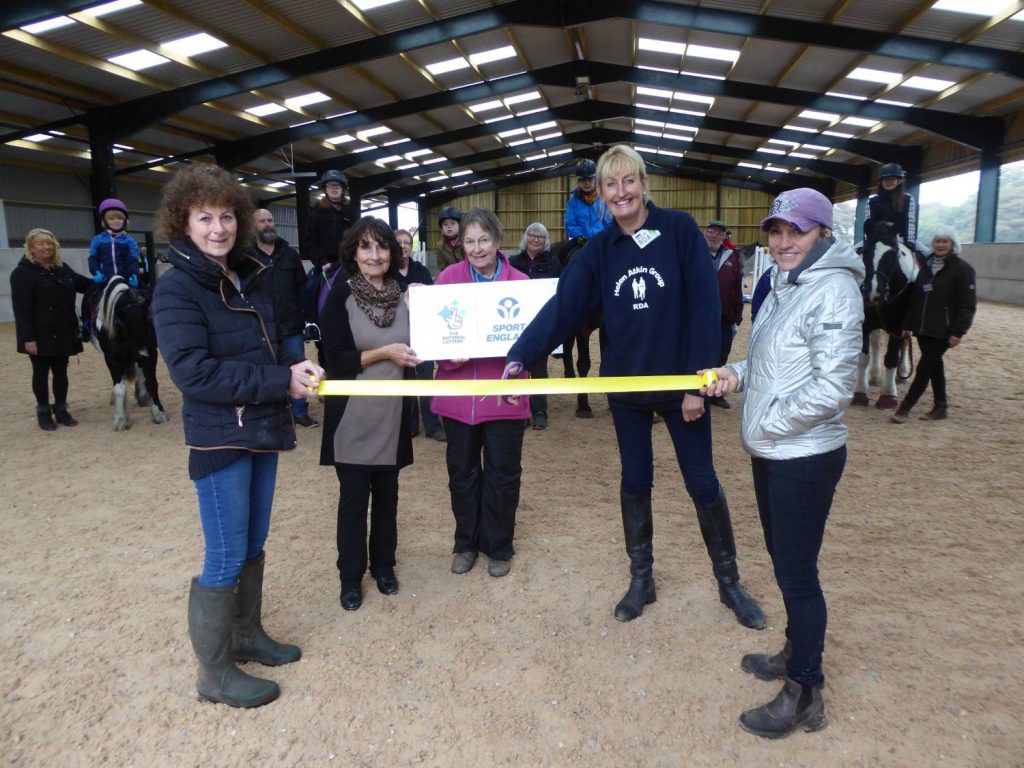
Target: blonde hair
{"x":622,"y":158}
{"x":41,"y":234}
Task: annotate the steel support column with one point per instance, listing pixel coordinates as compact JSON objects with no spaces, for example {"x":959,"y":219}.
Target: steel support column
{"x":988,"y":195}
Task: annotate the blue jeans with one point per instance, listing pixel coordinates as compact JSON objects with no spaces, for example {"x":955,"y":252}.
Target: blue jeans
{"x":295,"y":346}
{"x":692,"y":442}
{"x":234,"y":509}
{"x":794,"y":497}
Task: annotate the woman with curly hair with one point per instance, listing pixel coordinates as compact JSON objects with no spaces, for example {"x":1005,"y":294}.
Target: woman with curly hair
{"x":215,"y":327}
{"x":365,"y":333}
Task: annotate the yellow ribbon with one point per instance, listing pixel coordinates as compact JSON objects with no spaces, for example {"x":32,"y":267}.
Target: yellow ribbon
{"x":486,"y":387}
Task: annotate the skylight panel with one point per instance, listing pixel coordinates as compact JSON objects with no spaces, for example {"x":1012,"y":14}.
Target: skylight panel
{"x":688,"y":112}
{"x":518,"y":99}
{"x":817,"y":147}
{"x":112,"y":7}
{"x":770,"y":151}
{"x":702,"y":74}
{"x":800,"y":128}
{"x":876,"y":75}
{"x":756,"y":166}
{"x":803,"y":155}
{"x":643,"y":90}
{"x":810,"y":114}
{"x":432,"y":160}
{"x":861,"y":122}
{"x":407,"y":166}
{"x":678,"y":137}
{"x":893,"y":103}
{"x":138,"y":60}
{"x":38,"y":137}
{"x":417,"y":153}
{"x":546,"y":136}
{"x":495,"y":54}
{"x":542,"y":126}
{"x":484,"y":106}
{"x":370,"y":132}
{"x":193,"y":45}
{"x":661,"y":46}
{"x":928,"y":83}
{"x":972,"y":7}
{"x":639,"y":148}
{"x":553,"y":152}
{"x":533,"y":158}
{"x":314,"y":97}
{"x":846,"y":95}
{"x":343,"y":138}
{"x":460,"y":173}
{"x":448,"y":65}
{"x":369,"y":5}
{"x":644,"y":132}
{"x":520,"y":142}
{"x":262,"y":110}
{"x":657,"y":69}
{"x":402,"y":140}
{"x":512,"y":132}
{"x":712,"y":52}
{"x":784,"y":143}
{"x":390,"y":159}
{"x":525,"y":112}
{"x":695,"y":97}
{"x":498,"y":119}
{"x":658,"y":107}
{"x":837,"y":133}
{"x":642,"y":121}
{"x":670,"y":153}
{"x":47,"y":24}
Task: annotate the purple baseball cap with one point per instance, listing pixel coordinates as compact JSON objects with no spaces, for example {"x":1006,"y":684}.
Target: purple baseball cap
{"x":804,"y":208}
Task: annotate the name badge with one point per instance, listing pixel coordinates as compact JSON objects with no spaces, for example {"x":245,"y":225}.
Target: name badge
{"x":926,"y":287}
{"x":644,"y":237}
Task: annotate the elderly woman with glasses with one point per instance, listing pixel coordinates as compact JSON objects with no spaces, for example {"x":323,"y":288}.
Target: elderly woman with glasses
{"x":535,"y":260}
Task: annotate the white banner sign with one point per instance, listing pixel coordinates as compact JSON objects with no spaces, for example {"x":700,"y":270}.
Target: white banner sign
{"x":470,"y":320}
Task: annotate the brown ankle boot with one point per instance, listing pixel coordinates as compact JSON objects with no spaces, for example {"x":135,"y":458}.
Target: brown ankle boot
{"x":902,"y":414}
{"x":937,"y":413}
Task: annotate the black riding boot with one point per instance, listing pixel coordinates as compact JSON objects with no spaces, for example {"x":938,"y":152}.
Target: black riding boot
{"x":211,"y":618}
{"x":765,"y":667}
{"x":45,"y":418}
{"x":796,"y":707}
{"x":251,"y":642}
{"x":638,"y":527}
{"x":63,"y":417}
{"x":716,"y":528}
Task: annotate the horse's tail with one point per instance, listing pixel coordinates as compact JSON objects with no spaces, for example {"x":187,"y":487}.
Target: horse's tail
{"x":115,"y":288}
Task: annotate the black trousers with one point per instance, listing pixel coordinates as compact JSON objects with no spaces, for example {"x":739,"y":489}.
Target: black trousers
{"x":359,"y":487}
{"x":539,"y":370}
{"x":485,"y":493}
{"x":726,"y":348}
{"x":41,"y":369}
{"x":930,"y":368}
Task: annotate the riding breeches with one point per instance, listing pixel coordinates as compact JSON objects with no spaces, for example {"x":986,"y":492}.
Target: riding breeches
{"x":42,"y":366}
{"x":930,"y":368}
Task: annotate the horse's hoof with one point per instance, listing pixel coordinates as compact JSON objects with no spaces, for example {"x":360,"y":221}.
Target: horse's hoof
{"x":887,"y":403}
{"x":121,"y":426}
{"x":159,"y":417}
{"x":584,"y":413}
{"x":861,"y":399}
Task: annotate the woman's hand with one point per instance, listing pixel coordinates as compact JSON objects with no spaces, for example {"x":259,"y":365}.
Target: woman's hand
{"x":953,"y":341}
{"x":402,"y":354}
{"x":693,"y":407}
{"x":305,"y":378}
{"x":512,"y":371}
{"x":33,"y":349}
{"x":728,"y":382}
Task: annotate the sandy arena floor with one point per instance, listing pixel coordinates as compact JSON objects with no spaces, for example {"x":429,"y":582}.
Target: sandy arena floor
{"x":922,"y":567}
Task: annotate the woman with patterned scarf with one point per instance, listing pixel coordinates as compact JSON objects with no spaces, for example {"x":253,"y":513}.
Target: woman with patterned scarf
{"x":365,"y":332}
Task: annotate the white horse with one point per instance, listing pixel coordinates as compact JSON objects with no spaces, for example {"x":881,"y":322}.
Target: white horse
{"x":891,"y":271}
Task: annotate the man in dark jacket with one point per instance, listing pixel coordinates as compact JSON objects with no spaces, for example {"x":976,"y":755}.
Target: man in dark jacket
{"x":288,"y":280}
{"x":729,"y":268}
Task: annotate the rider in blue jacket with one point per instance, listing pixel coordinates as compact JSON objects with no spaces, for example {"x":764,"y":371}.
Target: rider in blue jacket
{"x":585,"y":213}
{"x":112,"y":252}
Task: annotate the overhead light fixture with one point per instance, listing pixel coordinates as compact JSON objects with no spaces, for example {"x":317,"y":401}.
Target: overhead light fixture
{"x":138,"y":60}
{"x":343,"y":138}
{"x":893,"y":103}
{"x":972,"y":7}
{"x":38,"y":137}
{"x":748,"y":165}
{"x":810,"y":114}
{"x":417,"y":153}
{"x":846,"y":95}
{"x":460,"y":173}
{"x":46,"y":25}
{"x":313,"y":97}
{"x":712,"y":52}
{"x":371,"y":132}
{"x":519,"y":98}
{"x":511,"y":132}
{"x":484,"y":106}
{"x":643,"y":90}
{"x":547,"y":136}
{"x":695,"y":97}
{"x":369,"y":5}
{"x":112,"y":7}
{"x":861,"y":122}
{"x":193,"y":45}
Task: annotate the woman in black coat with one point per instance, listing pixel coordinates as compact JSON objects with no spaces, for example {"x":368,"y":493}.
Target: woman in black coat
{"x":43,"y":292}
{"x":941,"y":312}
{"x":214,"y":318}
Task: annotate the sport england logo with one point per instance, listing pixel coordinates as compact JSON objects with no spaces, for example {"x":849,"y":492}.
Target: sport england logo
{"x":508,"y":308}
{"x":453,"y":316}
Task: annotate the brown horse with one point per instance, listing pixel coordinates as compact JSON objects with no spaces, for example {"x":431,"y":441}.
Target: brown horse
{"x":565,"y":251}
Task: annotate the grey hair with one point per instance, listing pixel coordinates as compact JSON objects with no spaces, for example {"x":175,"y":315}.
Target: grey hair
{"x":483,"y":218}
{"x":947,"y":231}
{"x":536,"y":227}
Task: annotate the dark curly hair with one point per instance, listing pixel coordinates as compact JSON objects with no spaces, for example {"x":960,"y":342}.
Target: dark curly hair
{"x":200,"y":184}
{"x":366,"y":229}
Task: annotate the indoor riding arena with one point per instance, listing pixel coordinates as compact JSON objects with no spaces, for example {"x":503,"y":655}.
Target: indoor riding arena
{"x":425,"y":104}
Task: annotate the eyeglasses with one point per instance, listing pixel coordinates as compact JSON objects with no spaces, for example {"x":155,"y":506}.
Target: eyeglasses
{"x":535,"y":236}
{"x":483,"y":242}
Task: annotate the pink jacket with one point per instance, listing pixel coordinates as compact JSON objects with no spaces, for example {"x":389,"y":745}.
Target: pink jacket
{"x":475,"y":410}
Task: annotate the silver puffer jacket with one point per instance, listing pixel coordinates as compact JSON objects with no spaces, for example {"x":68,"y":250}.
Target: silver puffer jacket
{"x":802,"y":359}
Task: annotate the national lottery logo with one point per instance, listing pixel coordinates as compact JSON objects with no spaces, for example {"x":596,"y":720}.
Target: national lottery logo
{"x":508,"y":308}
{"x":453,"y":316}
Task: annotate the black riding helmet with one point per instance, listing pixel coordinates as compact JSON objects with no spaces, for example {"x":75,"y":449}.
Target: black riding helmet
{"x":586,"y":169}
{"x":449,"y":212}
{"x":892,"y":170}
{"x":332,"y":175}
